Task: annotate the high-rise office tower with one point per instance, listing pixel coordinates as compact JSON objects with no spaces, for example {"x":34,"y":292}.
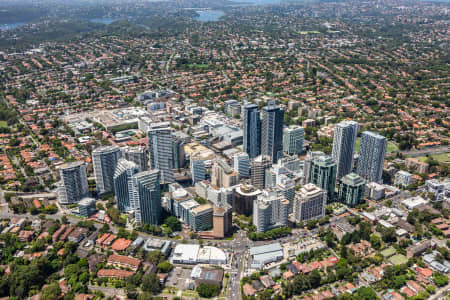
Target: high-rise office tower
{"x":344,"y":140}
{"x":241,"y":163}
{"x":252,"y":130}
{"x":222,"y":221}
{"x":287,"y":186}
{"x":371,"y":156}
{"x":310,"y":156}
{"x":293,"y":139}
{"x":309,"y":203}
{"x":123,"y":185}
{"x":197,"y":166}
{"x":201,"y":217}
{"x":258,"y":171}
{"x":105,"y":160}
{"x":323,"y":174}
{"x":272,"y":132}
{"x":351,"y":190}
{"x":146,"y":198}
{"x":244,"y":196}
{"x":223,"y":175}
{"x":160,"y":145}
{"x":270,"y":210}
{"x":74,"y":184}
{"x":138,"y":155}
{"x":178,"y":153}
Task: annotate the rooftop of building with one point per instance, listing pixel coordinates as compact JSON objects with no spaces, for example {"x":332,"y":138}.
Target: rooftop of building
{"x":202,"y":208}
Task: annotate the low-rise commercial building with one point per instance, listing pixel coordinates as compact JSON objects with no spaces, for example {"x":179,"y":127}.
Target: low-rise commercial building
{"x":262,"y":255}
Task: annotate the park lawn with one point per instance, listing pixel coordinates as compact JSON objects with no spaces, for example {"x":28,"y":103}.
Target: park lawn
{"x":391,"y":147}
{"x":199,"y":66}
{"x":189,"y":294}
{"x":441,"y":158}
{"x":3,"y":124}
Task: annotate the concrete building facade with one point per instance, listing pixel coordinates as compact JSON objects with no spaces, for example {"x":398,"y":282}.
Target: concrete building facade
{"x":293,"y":139}
{"x":74,"y":184}
{"x":371,"y":156}
{"x":160,"y":144}
{"x":104,"y":160}
{"x":344,"y":140}
{"x":309,"y":203}
{"x":272,"y":120}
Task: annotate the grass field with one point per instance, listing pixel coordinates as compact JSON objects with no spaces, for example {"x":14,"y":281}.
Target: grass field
{"x":442,"y":157}
{"x":391,"y":147}
{"x":199,"y":66}
{"x":3,"y":124}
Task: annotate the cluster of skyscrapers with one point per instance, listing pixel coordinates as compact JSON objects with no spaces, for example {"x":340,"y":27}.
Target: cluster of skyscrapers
{"x":326,"y":178}
{"x":269,"y":161}
{"x":124,"y":172}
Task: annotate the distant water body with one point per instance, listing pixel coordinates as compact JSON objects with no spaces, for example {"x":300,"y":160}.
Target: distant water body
{"x":209,"y":15}
{"x":11,"y":25}
{"x":257,"y":2}
{"x":215,"y":15}
{"x":105,"y":21}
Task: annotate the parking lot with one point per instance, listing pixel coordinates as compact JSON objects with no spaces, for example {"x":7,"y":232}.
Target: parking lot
{"x":179,"y":278}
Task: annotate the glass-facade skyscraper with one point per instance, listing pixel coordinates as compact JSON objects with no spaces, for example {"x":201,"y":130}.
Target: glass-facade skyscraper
{"x":252,"y":130}
{"x":323,"y":174}
{"x":147,"y":197}
{"x":272,"y":132}
{"x":160,"y":146}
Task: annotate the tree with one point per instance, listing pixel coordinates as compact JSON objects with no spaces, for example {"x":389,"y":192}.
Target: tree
{"x":207,"y":290}
{"x":388,"y":235}
{"x":366,"y":293}
{"x":165,"y":267}
{"x":154,"y":257}
{"x":375,"y":241}
{"x":173,"y":223}
{"x":151,"y":283}
{"x":105,"y":228}
{"x":51,"y":292}
{"x":145,"y":296}
{"x":440,"y":279}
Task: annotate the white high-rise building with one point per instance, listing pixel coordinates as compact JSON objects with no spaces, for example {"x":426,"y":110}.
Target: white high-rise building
{"x":287,"y":186}
{"x":241,"y":163}
{"x":309,"y":203}
{"x":344,"y":146}
{"x":270,"y":210}
{"x":371,"y":156}
{"x":293,"y":139}
{"x":160,"y":145}
{"x":403,"y":178}
{"x":123,"y":185}
{"x":74,"y":184}
{"x":138,"y":155}
{"x":105,"y":160}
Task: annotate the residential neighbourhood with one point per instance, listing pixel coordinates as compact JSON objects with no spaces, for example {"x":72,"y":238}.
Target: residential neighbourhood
{"x":278,"y":151}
